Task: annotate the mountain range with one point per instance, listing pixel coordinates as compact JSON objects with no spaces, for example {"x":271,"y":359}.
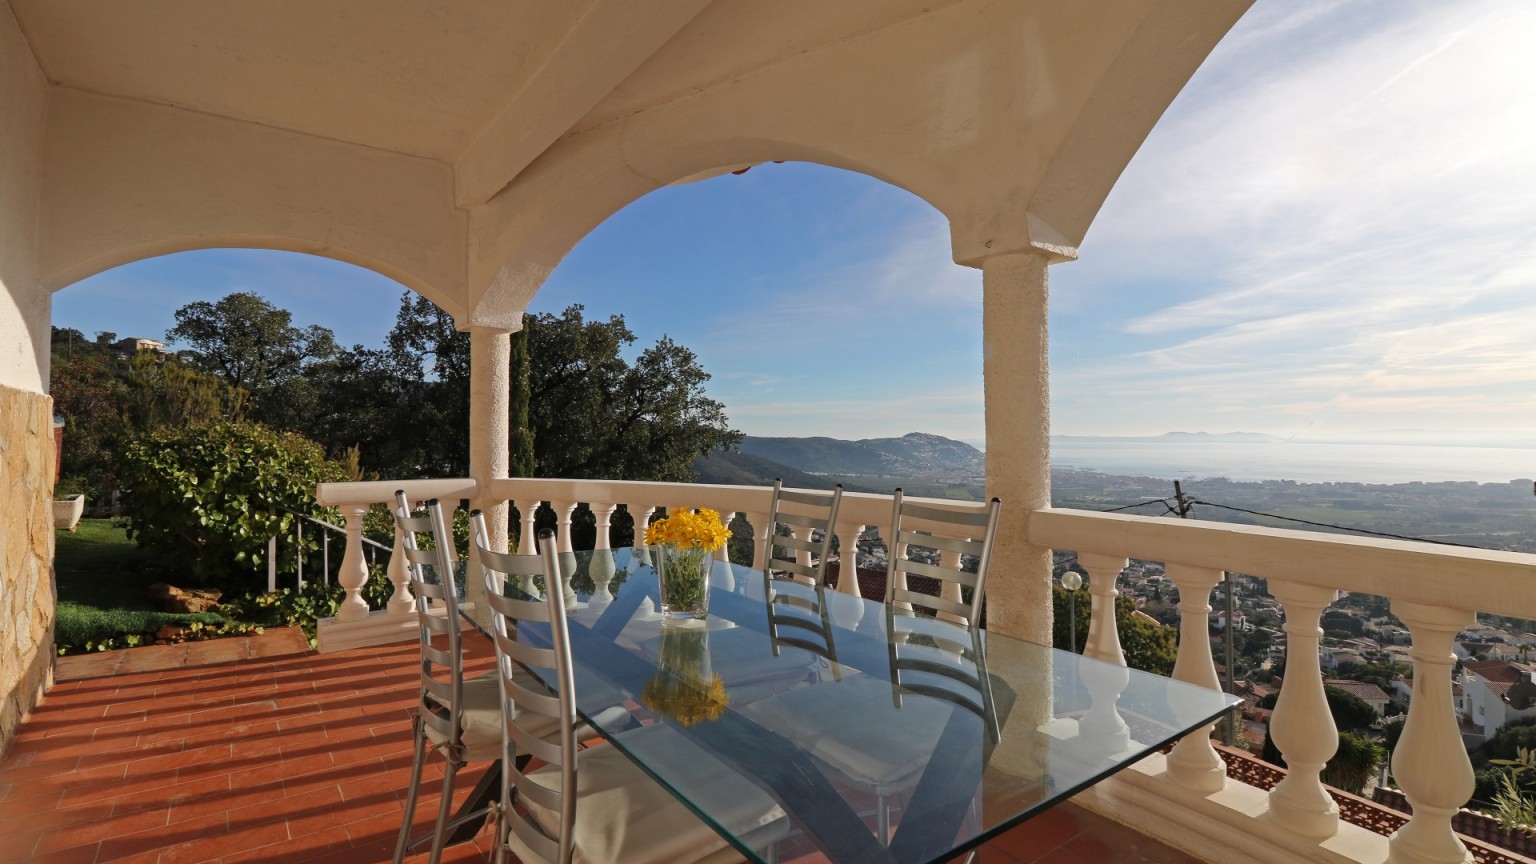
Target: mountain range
{"x":812,"y":462}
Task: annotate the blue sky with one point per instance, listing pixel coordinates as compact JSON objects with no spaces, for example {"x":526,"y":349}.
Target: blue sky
{"x":1332,"y":232}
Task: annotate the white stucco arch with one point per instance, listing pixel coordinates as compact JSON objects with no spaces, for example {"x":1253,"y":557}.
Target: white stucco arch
{"x":1013,"y":121}
{"x":532,"y":237}
{"x":126,"y":180}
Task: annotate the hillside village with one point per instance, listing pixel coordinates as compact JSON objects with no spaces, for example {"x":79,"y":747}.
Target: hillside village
{"x":1364,"y":648}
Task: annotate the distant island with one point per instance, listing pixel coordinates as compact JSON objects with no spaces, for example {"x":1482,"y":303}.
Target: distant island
{"x":1180,"y":438}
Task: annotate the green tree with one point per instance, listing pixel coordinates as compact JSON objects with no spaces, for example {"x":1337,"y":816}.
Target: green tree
{"x":167,"y":392}
{"x":1147,"y":645}
{"x":1350,"y":712}
{"x":255,"y":346}
{"x":204,"y":496}
{"x":1354,"y":762}
{"x":594,"y":415}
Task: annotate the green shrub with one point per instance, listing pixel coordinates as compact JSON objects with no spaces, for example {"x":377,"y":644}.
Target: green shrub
{"x":304,"y":607}
{"x":202,"y":496}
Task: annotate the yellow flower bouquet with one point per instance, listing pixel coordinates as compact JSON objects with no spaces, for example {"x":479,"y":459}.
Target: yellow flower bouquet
{"x":684,"y":541}
{"x":684,"y":688}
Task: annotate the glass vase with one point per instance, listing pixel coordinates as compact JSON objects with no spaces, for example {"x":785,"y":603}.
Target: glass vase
{"x":683,"y":574}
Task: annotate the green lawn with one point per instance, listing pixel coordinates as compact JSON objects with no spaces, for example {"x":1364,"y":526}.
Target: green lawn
{"x":103,"y":581}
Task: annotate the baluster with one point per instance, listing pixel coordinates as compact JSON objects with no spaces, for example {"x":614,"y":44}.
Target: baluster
{"x":1103,"y":633}
{"x":762,"y":531}
{"x":897,"y":551}
{"x":602,"y":567}
{"x":803,"y":556}
{"x":563,"y":511}
{"x":950,"y":560}
{"x":1194,"y":763}
{"x":642,"y":516}
{"x":848,"y":555}
{"x":603,"y":514}
{"x":401,"y":602}
{"x":272,"y":556}
{"x":1302,"y":726}
{"x":1431,"y":763}
{"x":1103,"y":731}
{"x":527,"y":510}
{"x":724,"y":552}
{"x":353,"y":573}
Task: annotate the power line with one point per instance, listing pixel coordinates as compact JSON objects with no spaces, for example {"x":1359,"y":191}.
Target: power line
{"x":1330,"y":525}
{"x":1163,"y":501}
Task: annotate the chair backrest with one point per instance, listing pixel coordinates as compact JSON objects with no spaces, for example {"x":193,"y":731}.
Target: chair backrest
{"x":442,"y":669}
{"x":798,"y":615}
{"x":942,"y":660}
{"x":520,"y":705}
{"x":813,"y":511}
{"x":978,"y":526}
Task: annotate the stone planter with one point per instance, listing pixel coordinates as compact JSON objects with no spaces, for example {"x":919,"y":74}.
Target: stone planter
{"x":67,"y":512}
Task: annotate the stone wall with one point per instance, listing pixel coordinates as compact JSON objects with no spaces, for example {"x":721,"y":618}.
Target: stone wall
{"x":27,"y":597}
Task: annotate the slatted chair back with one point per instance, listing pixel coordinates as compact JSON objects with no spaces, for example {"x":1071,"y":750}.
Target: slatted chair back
{"x":522,"y":707}
{"x":943,"y":660}
{"x":442,"y":669}
{"x":804,"y":513}
{"x":977,"y":527}
{"x":798,"y":615}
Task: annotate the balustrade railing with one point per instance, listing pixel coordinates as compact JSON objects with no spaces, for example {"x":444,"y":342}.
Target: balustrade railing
{"x":1435,"y":590}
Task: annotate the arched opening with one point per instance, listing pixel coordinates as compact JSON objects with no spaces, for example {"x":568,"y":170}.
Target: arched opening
{"x":239,"y":408}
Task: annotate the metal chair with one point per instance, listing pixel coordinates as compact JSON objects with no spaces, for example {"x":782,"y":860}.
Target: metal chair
{"x":978,"y":525}
{"x":816,"y":511}
{"x":457,"y":718}
{"x":548,"y":814}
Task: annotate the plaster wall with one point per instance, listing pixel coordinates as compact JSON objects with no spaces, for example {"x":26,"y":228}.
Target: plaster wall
{"x":126,"y":180}
{"x":25,"y":306}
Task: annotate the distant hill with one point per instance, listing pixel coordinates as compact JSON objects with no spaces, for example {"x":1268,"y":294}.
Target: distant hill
{"x":742,"y":469}
{"x":915,"y":455}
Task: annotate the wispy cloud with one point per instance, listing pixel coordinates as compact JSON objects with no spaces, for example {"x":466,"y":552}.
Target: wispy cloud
{"x":1343,"y":209}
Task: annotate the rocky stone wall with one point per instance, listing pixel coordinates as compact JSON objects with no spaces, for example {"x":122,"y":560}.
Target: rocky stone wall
{"x":27,"y":597}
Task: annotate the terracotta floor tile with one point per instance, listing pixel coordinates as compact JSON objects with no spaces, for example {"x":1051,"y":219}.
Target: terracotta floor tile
{"x":299,"y":759}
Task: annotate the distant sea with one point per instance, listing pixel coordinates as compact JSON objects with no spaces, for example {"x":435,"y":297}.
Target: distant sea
{"x":1305,"y":462}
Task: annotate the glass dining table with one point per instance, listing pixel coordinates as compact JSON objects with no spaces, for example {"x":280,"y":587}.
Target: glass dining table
{"x":882,"y":736}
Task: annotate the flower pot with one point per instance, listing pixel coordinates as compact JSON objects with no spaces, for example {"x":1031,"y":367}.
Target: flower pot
{"x":67,"y":512}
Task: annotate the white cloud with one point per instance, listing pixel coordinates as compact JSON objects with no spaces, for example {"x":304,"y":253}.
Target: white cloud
{"x":1344,"y":201}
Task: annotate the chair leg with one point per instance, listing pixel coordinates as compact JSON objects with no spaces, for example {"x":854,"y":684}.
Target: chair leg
{"x":414,"y":790}
{"x":444,"y":810}
{"x":883,"y":819}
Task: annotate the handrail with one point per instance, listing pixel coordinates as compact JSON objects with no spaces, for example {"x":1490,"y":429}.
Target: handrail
{"x":1435,"y":590}
{"x":1400,"y":569}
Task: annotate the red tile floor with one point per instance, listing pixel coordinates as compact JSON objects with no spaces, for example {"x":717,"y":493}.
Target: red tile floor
{"x":258,"y":751}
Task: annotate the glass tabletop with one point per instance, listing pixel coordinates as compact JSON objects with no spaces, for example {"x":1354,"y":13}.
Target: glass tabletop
{"x":880,"y":735}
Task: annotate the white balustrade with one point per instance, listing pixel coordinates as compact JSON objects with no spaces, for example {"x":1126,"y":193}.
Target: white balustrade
{"x":1430,"y":763}
{"x":1194,"y":763}
{"x":724,"y":552}
{"x":354,"y":569}
{"x":950,"y":560}
{"x":602,"y":514}
{"x":762,"y":532}
{"x":848,"y":557}
{"x":1302,"y":726}
{"x":1103,"y":633}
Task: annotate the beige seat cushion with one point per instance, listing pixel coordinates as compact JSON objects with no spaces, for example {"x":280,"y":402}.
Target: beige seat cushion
{"x":480,"y":716}
{"x":624,"y":817}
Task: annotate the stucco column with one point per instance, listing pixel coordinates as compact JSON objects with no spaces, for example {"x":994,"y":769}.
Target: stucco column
{"x":490,"y":353}
{"x":1018,"y":416}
